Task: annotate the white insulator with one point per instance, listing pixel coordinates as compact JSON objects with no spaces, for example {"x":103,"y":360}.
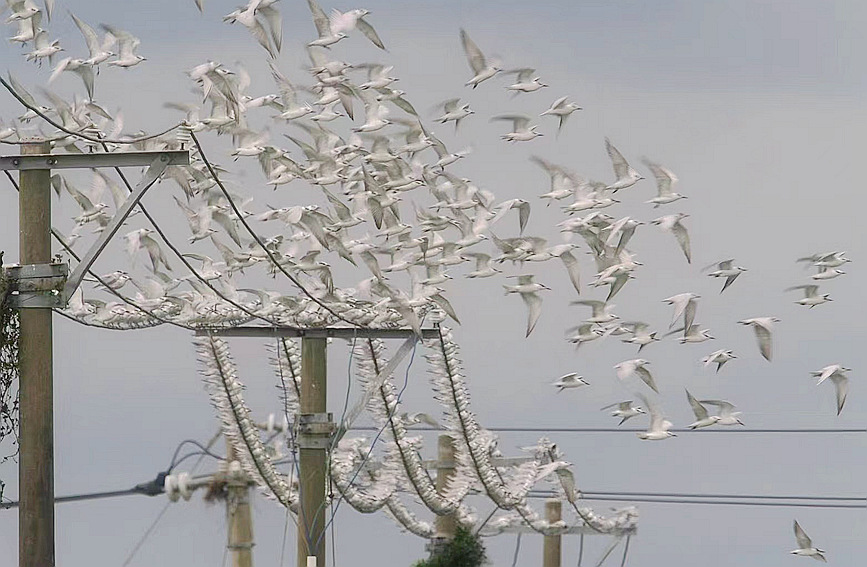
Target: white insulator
{"x":184,"y":486}
{"x":170,"y":486}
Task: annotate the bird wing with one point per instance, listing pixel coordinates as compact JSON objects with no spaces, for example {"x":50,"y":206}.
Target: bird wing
{"x":619,"y":405}
{"x":475,"y":57}
{"x":571,"y":264}
{"x":699,"y":410}
{"x":841,"y":383}
{"x":801,"y":536}
{"x":90,"y":37}
{"x":621,"y":167}
{"x":534,"y":309}
{"x":665,"y":179}
{"x":320,"y":20}
{"x":275,"y":23}
{"x":370,"y":33}
{"x":647,"y":377}
{"x":763,"y":334}
{"x":682,"y":237}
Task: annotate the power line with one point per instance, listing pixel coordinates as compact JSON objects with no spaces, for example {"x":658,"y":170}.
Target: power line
{"x":550,"y":494}
{"x":526,"y":429}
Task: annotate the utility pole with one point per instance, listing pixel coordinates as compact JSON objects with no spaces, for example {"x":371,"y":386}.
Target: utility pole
{"x":239,"y":521}
{"x":314,"y":441}
{"x":444,"y":526}
{"x":35,"y":385}
{"x":551,"y":545}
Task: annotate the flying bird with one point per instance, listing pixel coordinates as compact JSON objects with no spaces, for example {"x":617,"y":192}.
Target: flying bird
{"x":482,"y":69}
{"x":665,"y":181}
{"x":625,"y":410}
{"x":637,"y":366}
{"x":719,"y":357}
{"x":763,"y":326}
{"x":805,"y":545}
{"x":725,"y":269}
{"x":521,"y":129}
{"x":702,"y":418}
{"x":625,"y":174}
{"x":684,"y":304}
{"x":811,"y":297}
{"x":571,"y":380}
{"x":837,"y":374}
{"x":529,"y":293}
{"x":659,"y":426}
{"x":562,"y":110}
{"x":672,"y":224}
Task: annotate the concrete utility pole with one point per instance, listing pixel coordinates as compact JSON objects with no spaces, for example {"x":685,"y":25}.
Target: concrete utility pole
{"x":445,"y":526}
{"x":36,"y":388}
{"x":551,"y":546}
{"x":312,"y":459}
{"x":239,"y":521}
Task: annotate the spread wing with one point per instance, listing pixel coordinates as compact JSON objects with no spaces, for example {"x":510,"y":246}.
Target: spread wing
{"x":621,"y":167}
{"x":474,"y":55}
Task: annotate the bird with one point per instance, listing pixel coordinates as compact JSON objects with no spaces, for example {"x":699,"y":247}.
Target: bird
{"x":412,"y":418}
{"x":659,"y":426}
{"x":571,"y":380}
{"x":684,"y":304}
{"x":525,"y":82}
{"x":99,"y":52}
{"x":626,"y":175}
{"x":78,"y":66}
{"x":342,"y":22}
{"x":718,"y":357}
{"x":811,"y":295}
{"x":826,"y":259}
{"x":727,"y":415}
{"x":805,"y":545}
{"x":601,"y":311}
{"x":725,"y":269}
{"x":702,"y":419}
{"x":665,"y":181}
{"x":126,"y":46}
{"x":141,"y":238}
{"x":826,"y":273}
{"x":763,"y":326}
{"x":482,"y":69}
{"x":529,"y":293}
{"x":586,"y":333}
{"x":693,"y":334}
{"x":562,"y":110}
{"x":837,"y":374}
{"x":673,"y":224}
{"x":484,"y":269}
{"x":627,"y":368}
{"x":640,"y":336}
{"x":453,"y":111}
{"x":327,"y":36}
{"x":625,"y":410}
{"x":521,"y":129}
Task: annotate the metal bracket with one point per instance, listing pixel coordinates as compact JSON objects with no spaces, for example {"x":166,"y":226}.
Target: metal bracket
{"x":156,"y":168}
{"x":91,"y":160}
{"x":37,"y":285}
{"x":314,"y":430}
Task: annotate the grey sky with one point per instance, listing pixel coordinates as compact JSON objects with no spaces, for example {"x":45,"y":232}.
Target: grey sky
{"x":757,"y":106}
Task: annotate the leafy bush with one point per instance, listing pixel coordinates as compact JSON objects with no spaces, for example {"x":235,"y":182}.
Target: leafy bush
{"x":465,"y":550}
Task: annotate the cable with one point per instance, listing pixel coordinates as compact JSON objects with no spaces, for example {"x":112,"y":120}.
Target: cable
{"x":258,"y":239}
{"x":527,"y":429}
{"x":580,"y":549}
{"x":730,"y":496}
{"x":625,"y":550}
{"x":203,"y":451}
{"x":147,"y":533}
{"x":79,"y":134}
{"x":549,"y":494}
{"x":517,"y":549}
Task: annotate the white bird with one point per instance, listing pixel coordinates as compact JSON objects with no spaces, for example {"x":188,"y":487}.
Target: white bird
{"x":326,"y":37}
{"x":625,"y":174}
{"x":672,"y":224}
{"x":586,"y":333}
{"x":482,"y":69}
{"x":811,"y":295}
{"x":529,"y":293}
{"x":725,"y":269}
{"x":837,"y":374}
{"x":413,"y":418}
{"x":718,"y":357}
{"x":763,"y":326}
{"x":826,"y":273}
{"x":571,"y":380}
{"x":525,"y":82}
{"x":659,"y":426}
{"x":805,"y":545}
{"x":452,"y":112}
{"x":627,"y":368}
{"x":43,"y":48}
{"x":727,"y":415}
{"x":342,"y":22}
{"x":826,"y":259}
{"x":138,"y":239}
{"x":484,"y":269}
{"x":693,"y":334}
{"x":625,"y":410}
{"x":640,"y":336}
{"x":561,"y":109}
{"x":126,"y":46}
{"x":665,"y":181}
{"x":702,"y":419}
{"x":99,"y":52}
{"x":78,"y":66}
{"x":246,"y":16}
{"x":601,"y":311}
{"x":684,"y":304}
{"x":521,"y":129}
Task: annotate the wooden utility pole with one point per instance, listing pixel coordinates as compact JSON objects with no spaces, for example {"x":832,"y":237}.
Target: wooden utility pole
{"x":312,"y":459}
{"x":239,"y":521}
{"x":445,"y":526}
{"x":36,"y":391}
{"x":551,"y":545}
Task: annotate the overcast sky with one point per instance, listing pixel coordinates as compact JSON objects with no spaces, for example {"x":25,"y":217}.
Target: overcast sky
{"x":758,"y":106}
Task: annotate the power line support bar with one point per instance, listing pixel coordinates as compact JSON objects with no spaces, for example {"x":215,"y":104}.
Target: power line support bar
{"x":41,"y":161}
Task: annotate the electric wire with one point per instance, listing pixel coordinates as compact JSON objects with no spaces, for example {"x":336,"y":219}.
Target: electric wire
{"x":258,"y":239}
{"x":202,"y":450}
{"x":528,"y":429}
{"x":775,"y":503}
{"x":79,"y":134}
{"x":517,"y":550}
{"x":625,"y":551}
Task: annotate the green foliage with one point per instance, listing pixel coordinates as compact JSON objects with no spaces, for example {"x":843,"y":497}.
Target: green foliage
{"x":466,"y":550}
{"x":9,"y":333}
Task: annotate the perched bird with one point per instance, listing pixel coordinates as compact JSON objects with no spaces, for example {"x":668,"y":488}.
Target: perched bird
{"x":625,"y":174}
{"x":805,"y":545}
{"x":625,"y":410}
{"x":719,"y":357}
{"x":665,"y":181}
{"x":763,"y":326}
{"x":562,"y":110}
{"x":637,"y":366}
{"x":482,"y":69}
{"x":672,"y":224}
{"x":529,"y":293}
{"x":811,"y":295}
{"x":725,"y":269}
{"x":837,"y":374}
{"x":571,"y":380}
{"x":702,"y":419}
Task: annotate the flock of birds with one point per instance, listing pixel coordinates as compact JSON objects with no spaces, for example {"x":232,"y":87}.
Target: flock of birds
{"x":366,"y":179}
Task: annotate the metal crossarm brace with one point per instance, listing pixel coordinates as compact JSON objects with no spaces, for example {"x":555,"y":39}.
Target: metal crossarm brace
{"x":91,"y":160}
{"x":316,"y":333}
{"x":156,"y":167}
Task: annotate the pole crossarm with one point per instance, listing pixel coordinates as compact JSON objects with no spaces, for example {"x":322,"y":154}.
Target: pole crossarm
{"x":159,"y":161}
{"x":91,"y":160}
{"x":316,"y":333}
